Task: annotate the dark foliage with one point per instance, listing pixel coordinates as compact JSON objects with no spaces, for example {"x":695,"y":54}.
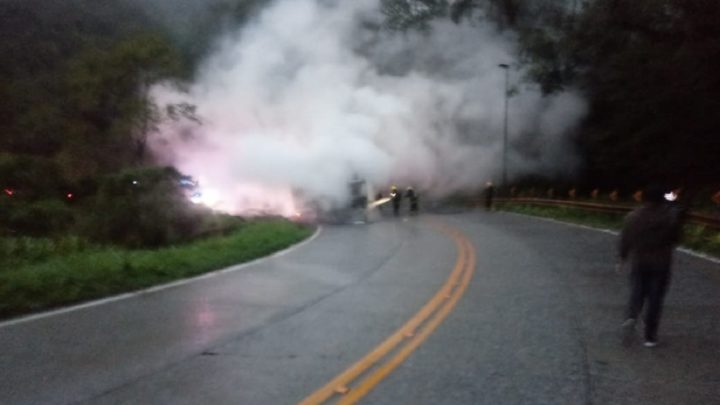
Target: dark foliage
{"x":649,"y":70}
{"x":75,"y":114}
{"x":142,"y":208}
{"x":38,"y":39}
{"x":38,"y":218}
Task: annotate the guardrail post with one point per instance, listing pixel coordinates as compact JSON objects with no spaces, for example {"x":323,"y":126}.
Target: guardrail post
{"x":638,"y":196}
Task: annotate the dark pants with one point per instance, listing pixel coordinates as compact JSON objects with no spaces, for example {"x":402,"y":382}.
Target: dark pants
{"x":414,"y":205}
{"x":650,"y":285}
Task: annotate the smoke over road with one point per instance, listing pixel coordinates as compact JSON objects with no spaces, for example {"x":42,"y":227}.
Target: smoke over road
{"x":311,"y":93}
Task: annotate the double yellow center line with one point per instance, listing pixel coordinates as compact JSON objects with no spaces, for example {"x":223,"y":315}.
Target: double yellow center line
{"x":348,"y":387}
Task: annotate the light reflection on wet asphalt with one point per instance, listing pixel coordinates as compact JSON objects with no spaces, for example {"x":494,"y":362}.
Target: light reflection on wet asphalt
{"x":537,"y":324}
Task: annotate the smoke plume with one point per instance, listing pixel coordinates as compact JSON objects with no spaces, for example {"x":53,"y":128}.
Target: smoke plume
{"x":312,"y":93}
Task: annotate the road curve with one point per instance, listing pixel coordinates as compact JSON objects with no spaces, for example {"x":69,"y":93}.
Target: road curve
{"x":538,"y":323}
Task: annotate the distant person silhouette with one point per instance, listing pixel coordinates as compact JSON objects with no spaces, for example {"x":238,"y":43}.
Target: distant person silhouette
{"x":412,"y":197}
{"x":489,"y":195}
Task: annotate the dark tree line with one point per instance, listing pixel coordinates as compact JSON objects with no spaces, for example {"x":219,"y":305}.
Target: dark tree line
{"x":74,"y":111}
{"x":71,"y":78}
{"x":648,"y":68}
{"x":75,"y":75}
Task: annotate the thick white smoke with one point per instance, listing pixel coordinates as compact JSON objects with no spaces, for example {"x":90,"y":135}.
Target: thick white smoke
{"x":311,"y":93}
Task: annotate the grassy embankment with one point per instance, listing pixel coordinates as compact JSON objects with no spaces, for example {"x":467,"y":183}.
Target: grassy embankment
{"x":696,"y":237}
{"x":38,"y":274}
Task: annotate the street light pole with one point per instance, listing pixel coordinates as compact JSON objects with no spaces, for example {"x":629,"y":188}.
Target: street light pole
{"x":505,"y":67}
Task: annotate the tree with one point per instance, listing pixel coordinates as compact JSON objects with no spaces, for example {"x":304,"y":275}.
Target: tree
{"x":650,"y":70}
{"x":34,"y":61}
{"x":108,"y":109}
{"x":412,"y":14}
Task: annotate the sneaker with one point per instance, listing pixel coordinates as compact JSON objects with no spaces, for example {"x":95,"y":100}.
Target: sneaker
{"x":650,"y":343}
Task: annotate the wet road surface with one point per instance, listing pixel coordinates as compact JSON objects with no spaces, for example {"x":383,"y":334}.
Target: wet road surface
{"x":538,"y":323}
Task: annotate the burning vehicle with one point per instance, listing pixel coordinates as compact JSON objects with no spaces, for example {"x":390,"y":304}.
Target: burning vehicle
{"x":296,"y":204}
{"x":355,"y":211}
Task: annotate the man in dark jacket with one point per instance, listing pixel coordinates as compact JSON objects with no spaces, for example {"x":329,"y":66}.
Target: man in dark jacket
{"x":648,"y":239}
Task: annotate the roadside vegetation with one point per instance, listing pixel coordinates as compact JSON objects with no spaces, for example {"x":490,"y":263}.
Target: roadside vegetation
{"x":42,"y":273}
{"x":696,"y":237}
{"x":86,"y":208}
{"x":114,"y":233}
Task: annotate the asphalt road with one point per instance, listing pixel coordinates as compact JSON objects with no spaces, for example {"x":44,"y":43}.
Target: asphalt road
{"x":538,"y":323}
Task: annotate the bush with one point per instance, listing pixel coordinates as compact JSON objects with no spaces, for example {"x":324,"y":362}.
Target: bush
{"x":31,"y":177}
{"x":7,"y":207}
{"x":701,"y":238}
{"x":42,"y":217}
{"x":17,"y":251}
{"x":142,"y":208}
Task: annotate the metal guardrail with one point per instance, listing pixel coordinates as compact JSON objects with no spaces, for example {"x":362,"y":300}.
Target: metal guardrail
{"x":695,"y":217}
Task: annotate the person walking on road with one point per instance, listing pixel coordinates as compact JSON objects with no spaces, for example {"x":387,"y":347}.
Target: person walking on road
{"x":649,"y":236}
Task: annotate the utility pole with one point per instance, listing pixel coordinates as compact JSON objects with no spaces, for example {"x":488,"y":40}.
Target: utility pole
{"x":505,"y":67}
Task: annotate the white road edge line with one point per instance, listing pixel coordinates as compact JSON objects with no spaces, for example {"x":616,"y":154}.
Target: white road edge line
{"x":687,"y":251}
{"x":28,"y":318}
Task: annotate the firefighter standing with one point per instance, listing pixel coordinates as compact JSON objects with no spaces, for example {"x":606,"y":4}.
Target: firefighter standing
{"x":396,"y":198}
{"x":413,"y":199}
